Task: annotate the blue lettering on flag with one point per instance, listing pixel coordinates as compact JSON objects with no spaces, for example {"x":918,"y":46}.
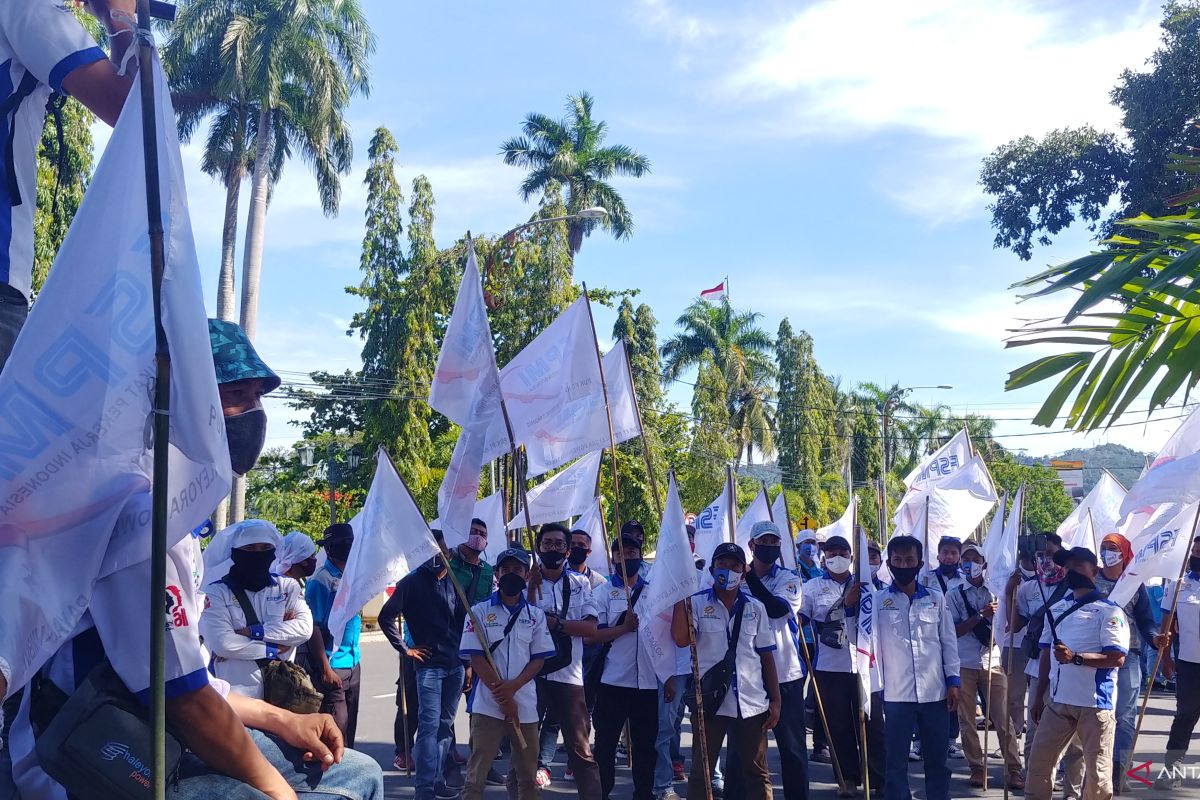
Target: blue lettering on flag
{"x":68,"y":364}
{"x":29,"y":427}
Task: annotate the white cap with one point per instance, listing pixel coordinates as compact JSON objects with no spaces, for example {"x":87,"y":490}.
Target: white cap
{"x":296,"y":547}
{"x":217,"y":558}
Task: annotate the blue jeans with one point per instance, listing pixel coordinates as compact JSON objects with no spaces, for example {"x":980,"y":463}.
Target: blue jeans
{"x":1129,"y":690}
{"x":14,"y":309}
{"x":932,"y":723}
{"x":670,"y":718}
{"x":438,"y":690}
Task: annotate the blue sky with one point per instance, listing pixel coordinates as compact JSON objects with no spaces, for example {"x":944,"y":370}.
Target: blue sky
{"x":823,"y":155}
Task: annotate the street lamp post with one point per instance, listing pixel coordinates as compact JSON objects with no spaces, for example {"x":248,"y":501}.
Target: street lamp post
{"x":893,"y":397}
{"x":332,"y":476}
{"x":593,"y":213}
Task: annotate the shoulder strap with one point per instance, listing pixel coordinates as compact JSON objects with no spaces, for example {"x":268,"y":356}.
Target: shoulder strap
{"x":1078,"y":605}
{"x":512,"y":620}
{"x":739,"y":608}
{"x":566,"y":593}
{"x":247,"y":610}
{"x":941,"y":582}
{"x":971,"y":610}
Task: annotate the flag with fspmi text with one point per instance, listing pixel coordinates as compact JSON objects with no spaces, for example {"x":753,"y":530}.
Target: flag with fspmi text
{"x":76,"y":413}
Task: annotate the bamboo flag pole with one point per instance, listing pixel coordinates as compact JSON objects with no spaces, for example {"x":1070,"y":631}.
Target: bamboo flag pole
{"x":162,"y":404}
{"x":1166,"y":628}
{"x":637,"y":407}
{"x":808,"y":663}
{"x":462,"y":598}
{"x":730,"y":511}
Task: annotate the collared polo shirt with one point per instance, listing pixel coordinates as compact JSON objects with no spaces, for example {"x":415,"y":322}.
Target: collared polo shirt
{"x":581,"y":605}
{"x":630,"y":663}
{"x":821,"y":595}
{"x":916,"y":647}
{"x":528,"y":639}
{"x":747,"y":696}
{"x":319,"y":592}
{"x":1099,"y":626}
{"x":970,"y":649}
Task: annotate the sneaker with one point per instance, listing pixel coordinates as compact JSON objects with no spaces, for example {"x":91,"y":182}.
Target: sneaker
{"x":494,"y":778}
{"x":1015,"y":781}
{"x":914,"y":751}
{"x":443,"y":792}
{"x":677,"y":770}
{"x":821,"y":756}
{"x":955,"y":752}
{"x":669,"y":794}
{"x":976,"y":779}
{"x":402,"y":762}
{"x":718,"y":790}
{"x":542,"y":778}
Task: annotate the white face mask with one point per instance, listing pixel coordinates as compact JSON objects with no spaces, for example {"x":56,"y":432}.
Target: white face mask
{"x":837,"y":564}
{"x":974,"y":569}
{"x":1111,"y":558}
{"x":1027,"y":573}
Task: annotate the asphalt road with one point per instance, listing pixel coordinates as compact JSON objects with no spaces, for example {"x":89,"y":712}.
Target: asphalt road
{"x":378,"y":711}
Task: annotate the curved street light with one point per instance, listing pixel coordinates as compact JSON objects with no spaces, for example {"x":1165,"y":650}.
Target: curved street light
{"x":594,"y":213}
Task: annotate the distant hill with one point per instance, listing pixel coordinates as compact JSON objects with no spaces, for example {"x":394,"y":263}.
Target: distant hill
{"x":1125,"y":464}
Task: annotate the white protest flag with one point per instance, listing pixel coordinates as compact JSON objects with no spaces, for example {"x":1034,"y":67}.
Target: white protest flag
{"x":864,"y":640}
{"x":943,"y":462}
{"x":758,"y":511}
{"x":674,"y":576}
{"x":460,"y":486}
{"x":1174,"y":477}
{"x":712,"y":526}
{"x":75,"y":445}
{"x":621,"y":403}
{"x":391,"y":539}
{"x":779,"y":513}
{"x":842,"y":526}
{"x":1000,"y":545}
{"x":1103,"y":505}
{"x":957,"y":503}
{"x":467,"y":363}
{"x":592,"y":521}
{"x":1160,"y":549}
{"x":554,"y":394}
{"x":568,"y":494}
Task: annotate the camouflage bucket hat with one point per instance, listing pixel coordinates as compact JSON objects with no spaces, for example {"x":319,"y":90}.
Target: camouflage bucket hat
{"x":235,"y":358}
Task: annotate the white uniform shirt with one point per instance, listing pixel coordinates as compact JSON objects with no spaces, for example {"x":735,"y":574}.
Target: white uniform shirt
{"x":630,"y":662}
{"x":786,"y":585}
{"x":1187,"y":615}
{"x":1097,"y":627}
{"x":1029,"y":602}
{"x":747,"y":696}
{"x":117,"y":626}
{"x":970,"y":649}
{"x":42,"y":40}
{"x":821,"y":595}
{"x":916,"y":648}
{"x":935,"y":580}
{"x":235,"y":656}
{"x":580,"y":606}
{"x":529,"y":639}
{"x":594,"y":578}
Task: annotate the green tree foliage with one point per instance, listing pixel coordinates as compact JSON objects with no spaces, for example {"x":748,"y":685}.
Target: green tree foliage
{"x":742,"y":351}
{"x":711,"y":446}
{"x":1047,"y":503}
{"x":1042,"y":187}
{"x":803,"y":416}
{"x":571,"y":152}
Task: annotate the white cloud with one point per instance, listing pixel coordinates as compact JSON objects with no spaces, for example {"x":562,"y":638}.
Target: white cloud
{"x":662,"y":17}
{"x":962,"y":69}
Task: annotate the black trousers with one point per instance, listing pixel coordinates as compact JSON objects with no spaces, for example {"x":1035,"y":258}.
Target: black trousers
{"x":406,"y":684}
{"x":615,"y":705}
{"x":342,"y":702}
{"x":1187,"y":702}
{"x":790,"y":741}
{"x":839,"y":691}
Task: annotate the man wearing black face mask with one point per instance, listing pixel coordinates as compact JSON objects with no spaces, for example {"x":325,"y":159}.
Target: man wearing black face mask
{"x":341,"y":699}
{"x":577,"y":556}
{"x":1083,"y":644}
{"x":283,"y":619}
{"x":561,"y":692}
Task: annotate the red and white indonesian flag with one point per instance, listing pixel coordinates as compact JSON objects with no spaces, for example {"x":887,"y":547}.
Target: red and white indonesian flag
{"x":568,"y":494}
{"x":757,"y":511}
{"x":779,"y":513}
{"x":714,"y":294}
{"x":554,"y":395}
{"x":943,"y":462}
{"x":1103,"y":506}
{"x":712,"y":525}
{"x":391,"y":539}
{"x":76,"y":397}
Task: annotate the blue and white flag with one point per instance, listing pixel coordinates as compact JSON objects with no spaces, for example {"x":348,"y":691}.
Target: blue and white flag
{"x":76,"y":417}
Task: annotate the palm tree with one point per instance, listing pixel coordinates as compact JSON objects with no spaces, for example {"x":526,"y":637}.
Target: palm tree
{"x":570,"y":152}
{"x":743,"y":352}
{"x":927,"y":428}
{"x":873,"y":398}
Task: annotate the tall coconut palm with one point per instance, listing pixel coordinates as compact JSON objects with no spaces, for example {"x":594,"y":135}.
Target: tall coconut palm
{"x":743,"y":352}
{"x":873,"y":397}
{"x":571,"y":152}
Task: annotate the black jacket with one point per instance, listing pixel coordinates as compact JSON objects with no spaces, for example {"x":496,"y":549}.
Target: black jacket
{"x":421,"y":599}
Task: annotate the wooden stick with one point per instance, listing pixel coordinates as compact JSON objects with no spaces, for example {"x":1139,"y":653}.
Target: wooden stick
{"x":698,"y":717}
{"x":612,"y":439}
{"x":404,"y":714}
{"x":730,"y":512}
{"x":1168,"y":620}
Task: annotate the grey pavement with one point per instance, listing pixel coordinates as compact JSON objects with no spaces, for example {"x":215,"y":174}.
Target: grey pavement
{"x":378,"y":712}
